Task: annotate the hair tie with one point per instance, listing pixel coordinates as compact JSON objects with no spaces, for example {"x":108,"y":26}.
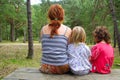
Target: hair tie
{"x":56,"y":18}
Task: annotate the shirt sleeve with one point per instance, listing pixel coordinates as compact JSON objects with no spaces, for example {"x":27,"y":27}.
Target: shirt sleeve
{"x":95,"y":52}
{"x":70,"y":51}
{"x":88,"y":51}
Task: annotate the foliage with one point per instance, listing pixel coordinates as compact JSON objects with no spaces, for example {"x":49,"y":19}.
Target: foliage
{"x":85,"y":13}
{"x":88,"y":14}
{"x":38,"y":20}
{"x":12,"y":10}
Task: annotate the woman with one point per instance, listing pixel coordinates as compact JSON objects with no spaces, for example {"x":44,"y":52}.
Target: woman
{"x":54,"y":37}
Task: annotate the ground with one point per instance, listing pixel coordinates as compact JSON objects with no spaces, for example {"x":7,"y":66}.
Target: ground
{"x":34,"y":74}
{"x":13,"y":56}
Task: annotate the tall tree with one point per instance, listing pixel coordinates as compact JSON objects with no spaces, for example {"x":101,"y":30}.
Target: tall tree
{"x":12,"y":17}
{"x":30,"y":39}
{"x":9,"y":15}
{"x":116,"y":32}
{"x":0,"y":33}
{"x":12,"y":30}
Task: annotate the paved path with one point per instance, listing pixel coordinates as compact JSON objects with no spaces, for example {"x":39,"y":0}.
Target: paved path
{"x":34,"y":74}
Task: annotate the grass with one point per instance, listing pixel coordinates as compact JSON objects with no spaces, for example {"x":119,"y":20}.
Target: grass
{"x":116,"y":64}
{"x":13,"y":56}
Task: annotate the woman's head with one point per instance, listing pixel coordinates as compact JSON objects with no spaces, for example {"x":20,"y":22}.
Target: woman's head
{"x":56,"y":12}
{"x":101,"y":33}
{"x":56,"y":16}
{"x":78,"y":35}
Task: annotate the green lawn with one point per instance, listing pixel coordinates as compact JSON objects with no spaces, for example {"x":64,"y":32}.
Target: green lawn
{"x":13,"y":56}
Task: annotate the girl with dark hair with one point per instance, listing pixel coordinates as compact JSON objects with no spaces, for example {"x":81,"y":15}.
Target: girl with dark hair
{"x":54,"y":39}
{"x":102,"y":53}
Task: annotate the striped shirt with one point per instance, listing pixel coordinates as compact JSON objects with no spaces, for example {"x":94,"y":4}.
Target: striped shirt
{"x":79,"y":57}
{"x":54,"y":50}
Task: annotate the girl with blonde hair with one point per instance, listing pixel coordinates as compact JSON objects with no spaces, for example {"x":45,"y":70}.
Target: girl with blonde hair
{"x":79,"y":52}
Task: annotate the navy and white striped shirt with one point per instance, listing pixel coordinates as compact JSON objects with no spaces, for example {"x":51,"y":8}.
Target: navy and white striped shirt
{"x":54,"y":50}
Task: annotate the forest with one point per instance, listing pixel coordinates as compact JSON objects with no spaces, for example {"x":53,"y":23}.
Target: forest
{"x":85,"y":13}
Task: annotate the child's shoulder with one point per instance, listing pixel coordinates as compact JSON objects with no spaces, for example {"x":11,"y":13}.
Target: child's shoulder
{"x":85,"y":45}
{"x":99,"y":46}
{"x":79,"y":45}
{"x":70,"y":45}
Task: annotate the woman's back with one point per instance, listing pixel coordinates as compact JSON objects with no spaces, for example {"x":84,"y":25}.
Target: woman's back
{"x":54,"y":49}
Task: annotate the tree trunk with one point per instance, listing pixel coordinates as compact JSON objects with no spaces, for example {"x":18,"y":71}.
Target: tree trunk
{"x":0,"y":33}
{"x":30,"y":41}
{"x":39,"y":36}
{"x":114,"y":38}
{"x":116,"y":32}
{"x":7,"y":33}
{"x":25,"y":35}
{"x":12,"y":31}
